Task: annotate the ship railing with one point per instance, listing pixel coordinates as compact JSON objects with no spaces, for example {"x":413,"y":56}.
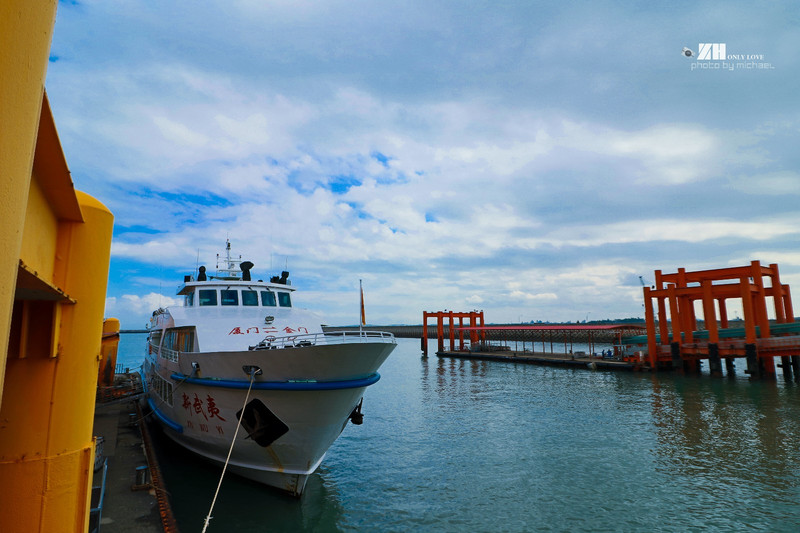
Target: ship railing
{"x":323,"y":339}
{"x":165,"y":353}
{"x":169,"y":355}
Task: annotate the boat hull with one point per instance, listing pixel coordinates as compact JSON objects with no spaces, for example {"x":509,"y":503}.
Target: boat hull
{"x":290,"y":415}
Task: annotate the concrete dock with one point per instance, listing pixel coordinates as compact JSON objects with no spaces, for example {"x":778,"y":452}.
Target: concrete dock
{"x":135,"y":498}
{"x":124,"y":510}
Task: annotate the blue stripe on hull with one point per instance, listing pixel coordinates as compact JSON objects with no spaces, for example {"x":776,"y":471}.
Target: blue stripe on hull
{"x":166,"y":421}
{"x":281,"y":385}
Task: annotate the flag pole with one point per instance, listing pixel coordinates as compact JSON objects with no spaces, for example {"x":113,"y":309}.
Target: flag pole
{"x":363,"y":319}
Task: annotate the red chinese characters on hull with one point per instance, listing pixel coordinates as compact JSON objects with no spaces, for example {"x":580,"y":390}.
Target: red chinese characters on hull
{"x":211,"y":407}
{"x":207,"y":409}
{"x":198,"y":406}
{"x":266,"y":330}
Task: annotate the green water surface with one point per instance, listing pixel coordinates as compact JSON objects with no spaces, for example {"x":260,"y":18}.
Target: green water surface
{"x":452,"y":445}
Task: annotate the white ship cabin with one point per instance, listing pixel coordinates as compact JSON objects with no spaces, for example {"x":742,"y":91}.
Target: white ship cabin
{"x":234,"y":288}
{"x":236,"y":294}
{"x":229,"y":311}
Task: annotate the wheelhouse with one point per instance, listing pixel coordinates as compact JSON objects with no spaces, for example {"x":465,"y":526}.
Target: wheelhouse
{"x":234,"y":287}
{"x":202,"y":295}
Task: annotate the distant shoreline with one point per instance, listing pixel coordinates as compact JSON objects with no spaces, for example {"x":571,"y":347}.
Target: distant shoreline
{"x":433,"y":326}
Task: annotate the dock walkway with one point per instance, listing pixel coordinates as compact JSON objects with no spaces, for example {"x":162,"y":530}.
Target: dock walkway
{"x":124,"y":510}
{"x":136,"y":499}
{"x":550,"y":359}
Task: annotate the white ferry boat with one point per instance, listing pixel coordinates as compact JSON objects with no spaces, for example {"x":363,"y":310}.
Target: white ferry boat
{"x":306,"y":384}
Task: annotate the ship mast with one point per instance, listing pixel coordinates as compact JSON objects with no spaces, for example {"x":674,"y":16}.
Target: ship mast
{"x":230,"y":271}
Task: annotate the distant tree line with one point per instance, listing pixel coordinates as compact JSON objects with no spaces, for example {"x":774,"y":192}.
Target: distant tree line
{"x":603,"y":322}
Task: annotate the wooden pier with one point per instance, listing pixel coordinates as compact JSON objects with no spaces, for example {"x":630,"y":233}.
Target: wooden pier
{"x":675,"y":342}
{"x":519,"y":343}
{"x":582,"y":361}
{"x":674,"y":337}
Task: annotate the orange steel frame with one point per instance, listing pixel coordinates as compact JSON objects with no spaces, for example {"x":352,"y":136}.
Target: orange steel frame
{"x":474,"y":336}
{"x":677,"y":293}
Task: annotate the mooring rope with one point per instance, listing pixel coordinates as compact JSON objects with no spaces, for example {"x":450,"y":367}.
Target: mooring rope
{"x":230,"y":450}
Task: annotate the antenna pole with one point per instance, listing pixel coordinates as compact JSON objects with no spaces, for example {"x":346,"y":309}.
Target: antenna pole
{"x":362,"y":321}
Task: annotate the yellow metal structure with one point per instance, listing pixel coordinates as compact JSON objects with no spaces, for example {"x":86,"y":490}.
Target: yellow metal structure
{"x":108,"y":352}
{"x":25,"y":32}
{"x":55,"y":244}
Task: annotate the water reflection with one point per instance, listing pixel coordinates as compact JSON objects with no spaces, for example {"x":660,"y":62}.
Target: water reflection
{"x":745,"y":433}
{"x":464,"y":378}
{"x":243,"y":505}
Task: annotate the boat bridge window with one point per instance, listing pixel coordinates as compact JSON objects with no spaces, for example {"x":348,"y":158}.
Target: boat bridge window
{"x":208,"y":297}
{"x":155,"y":341}
{"x":179,"y":339}
{"x":268,"y":299}
{"x":250,"y":298}
{"x":284,"y":299}
{"x":229,"y":297}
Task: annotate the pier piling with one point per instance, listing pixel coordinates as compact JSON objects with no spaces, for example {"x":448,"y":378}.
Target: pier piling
{"x":786,"y":365}
{"x":730,"y":367}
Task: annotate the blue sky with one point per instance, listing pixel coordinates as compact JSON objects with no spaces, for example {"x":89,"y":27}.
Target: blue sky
{"x":531,"y":159}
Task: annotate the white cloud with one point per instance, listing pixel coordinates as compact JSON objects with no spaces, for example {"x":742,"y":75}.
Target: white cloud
{"x":772,"y":184}
{"x":179,"y":133}
{"x":148,"y":302}
{"x":520,"y":295}
{"x":134,"y":310}
{"x":695,"y":230}
{"x":467,"y":156}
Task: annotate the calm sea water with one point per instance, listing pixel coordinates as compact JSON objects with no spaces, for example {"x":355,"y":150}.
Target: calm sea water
{"x":452,"y":445}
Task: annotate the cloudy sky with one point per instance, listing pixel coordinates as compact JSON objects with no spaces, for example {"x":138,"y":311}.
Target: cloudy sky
{"x":531,"y":159}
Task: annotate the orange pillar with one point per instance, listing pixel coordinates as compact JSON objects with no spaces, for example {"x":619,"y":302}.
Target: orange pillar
{"x":663,"y":322}
{"x":710,"y":319}
{"x":747,"y":307}
{"x":776,"y":291}
{"x":675,"y":343}
{"x":674,"y":314}
{"x":751,"y":351}
{"x":760,"y":312}
{"x":760,"y":301}
{"x":452,"y":332}
{"x":685,"y":309}
{"x":424,"y":340}
{"x":723,"y":313}
{"x":787,"y":304}
{"x":652,"y":346}
{"x":709,"y":316}
{"x":440,"y":330}
{"x":472,"y":324}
